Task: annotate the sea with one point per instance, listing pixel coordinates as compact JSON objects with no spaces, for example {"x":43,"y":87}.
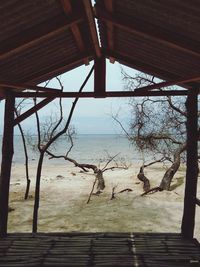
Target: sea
{"x":87,"y":148}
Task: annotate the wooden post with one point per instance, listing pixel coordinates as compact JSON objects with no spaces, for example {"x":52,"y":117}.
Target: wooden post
{"x":188,"y":221}
{"x":100,"y":77}
{"x":7,"y":154}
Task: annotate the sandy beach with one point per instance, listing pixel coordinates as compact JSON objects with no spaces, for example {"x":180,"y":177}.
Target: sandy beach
{"x":65,"y":190}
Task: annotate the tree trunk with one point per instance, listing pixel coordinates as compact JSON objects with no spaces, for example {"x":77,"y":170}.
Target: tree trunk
{"x":144,"y":179}
{"x":28,"y":181}
{"x":100,"y":179}
{"x":37,"y":193}
{"x":169,"y":174}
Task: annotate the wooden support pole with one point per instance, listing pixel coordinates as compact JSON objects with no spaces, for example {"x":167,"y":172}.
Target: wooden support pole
{"x":7,"y":154}
{"x":188,"y":221}
{"x":100,"y":77}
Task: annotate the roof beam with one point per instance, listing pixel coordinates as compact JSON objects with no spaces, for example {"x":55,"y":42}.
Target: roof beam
{"x":92,"y":26}
{"x":107,"y":94}
{"x":28,"y":86}
{"x":143,"y":29}
{"x":32,"y":110}
{"x":138,"y":65}
{"x":66,"y":4}
{"x":169,"y":83}
{"x":56,"y":69}
{"x":37,"y":34}
{"x":110,"y":28}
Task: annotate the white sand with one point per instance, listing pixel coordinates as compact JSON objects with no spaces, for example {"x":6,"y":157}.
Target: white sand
{"x":63,"y":202}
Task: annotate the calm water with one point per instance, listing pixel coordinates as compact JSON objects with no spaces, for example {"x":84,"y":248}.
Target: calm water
{"x":87,"y":149}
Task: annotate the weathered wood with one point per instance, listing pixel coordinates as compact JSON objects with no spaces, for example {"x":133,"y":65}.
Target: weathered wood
{"x":40,"y":33}
{"x":7,"y":154}
{"x":66,"y":4}
{"x":188,"y":221}
{"x":198,"y":201}
{"x":32,"y":110}
{"x":100,"y":77}
{"x":93,"y":31}
{"x":139,"y":27}
{"x":99,"y":249}
{"x":110,"y":28}
{"x":107,"y":94}
{"x":28,"y":86}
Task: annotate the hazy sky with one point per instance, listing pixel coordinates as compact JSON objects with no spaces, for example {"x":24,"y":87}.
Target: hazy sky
{"x":91,"y":115}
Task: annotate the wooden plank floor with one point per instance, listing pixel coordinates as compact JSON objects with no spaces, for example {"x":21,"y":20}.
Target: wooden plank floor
{"x":98,"y":249}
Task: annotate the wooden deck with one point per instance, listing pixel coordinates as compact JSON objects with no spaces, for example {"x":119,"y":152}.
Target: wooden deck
{"x":98,"y":249}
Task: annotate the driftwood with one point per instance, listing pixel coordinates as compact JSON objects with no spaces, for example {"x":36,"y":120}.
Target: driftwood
{"x":98,"y":172}
{"x":122,"y":191}
{"x":169,"y":174}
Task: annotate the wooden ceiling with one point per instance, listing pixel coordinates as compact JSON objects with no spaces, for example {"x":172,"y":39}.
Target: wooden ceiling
{"x":43,"y":38}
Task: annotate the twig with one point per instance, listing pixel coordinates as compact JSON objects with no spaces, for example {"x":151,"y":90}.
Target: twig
{"x":111,"y":159}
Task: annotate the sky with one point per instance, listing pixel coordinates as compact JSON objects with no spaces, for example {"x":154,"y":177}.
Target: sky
{"x":91,"y":116}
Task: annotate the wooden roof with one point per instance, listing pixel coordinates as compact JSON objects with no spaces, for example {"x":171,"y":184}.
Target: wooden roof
{"x":161,"y":38}
{"x":43,"y":38}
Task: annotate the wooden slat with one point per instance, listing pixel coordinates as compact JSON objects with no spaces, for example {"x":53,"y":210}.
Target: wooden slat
{"x":100,"y":249}
{"x":145,"y":67}
{"x":35,"y":35}
{"x":175,"y":41}
{"x":55,"y":70}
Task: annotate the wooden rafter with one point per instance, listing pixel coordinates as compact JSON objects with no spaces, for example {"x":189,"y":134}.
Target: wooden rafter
{"x":66,"y":4}
{"x":170,"y":83}
{"x":92,"y":26}
{"x":175,"y":41}
{"x":37,"y":34}
{"x":56,"y":69}
{"x":32,"y":110}
{"x":110,"y":28}
{"x":145,"y":67}
{"x":189,"y":82}
{"x":27,"y":86}
{"x":107,"y":94}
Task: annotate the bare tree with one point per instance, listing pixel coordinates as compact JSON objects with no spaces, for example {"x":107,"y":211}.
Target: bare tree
{"x":45,"y":142}
{"x":157,"y":127}
{"x":18,"y":109}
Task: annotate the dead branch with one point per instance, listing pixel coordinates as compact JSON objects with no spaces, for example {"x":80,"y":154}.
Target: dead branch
{"x":113,"y":192}
{"x":111,"y":159}
{"x":152,"y":190}
{"x":125,"y":190}
{"x":116,"y":167}
{"x":92,"y":190}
